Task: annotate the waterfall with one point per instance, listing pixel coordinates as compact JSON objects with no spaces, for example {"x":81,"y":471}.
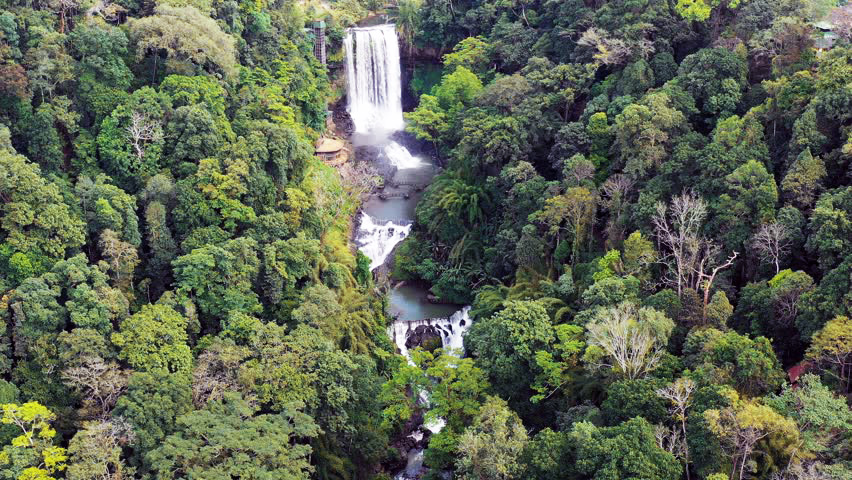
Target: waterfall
{"x":376,"y":238}
{"x":451,"y":330}
{"x":401,"y":158}
{"x":373,"y":78}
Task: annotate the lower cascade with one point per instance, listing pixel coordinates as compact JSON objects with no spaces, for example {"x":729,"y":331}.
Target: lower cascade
{"x":450,"y":330}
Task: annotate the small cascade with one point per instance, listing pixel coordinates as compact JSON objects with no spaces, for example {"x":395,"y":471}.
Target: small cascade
{"x":450,"y":329}
{"x":373,"y":78}
{"x":413,"y":467}
{"x":377,"y":238}
{"x":401,"y":158}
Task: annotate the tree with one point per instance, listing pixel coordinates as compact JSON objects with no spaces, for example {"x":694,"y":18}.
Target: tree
{"x":189,"y":38}
{"x":679,"y":395}
{"x":237,"y":265}
{"x":98,"y":382}
{"x":700,"y":10}
{"x":823,"y":418}
{"x":107,"y":206}
{"x":428,"y":121}
{"x":490,"y":142}
{"x":749,"y":365}
{"x":742,"y":425}
{"x":645,"y":131}
{"x":632,"y":338}
{"x":193,"y":134}
{"x":832,"y":346}
{"x":455,"y":389}
{"x":714,"y":77}
{"x":131,"y":140}
{"x":490,"y":448}
{"x":628,"y":450}
{"x":140,"y":132}
{"x":154,"y":340}
{"x":471,"y":53}
{"x":151,"y":405}
{"x":161,"y":245}
{"x":49,"y":64}
{"x":831,"y":227}
{"x":122,"y":258}
{"x":229,"y":439}
{"x":692,"y":259}
{"x":505,"y":345}
{"x":94,"y":453}
{"x":626,"y":399}
{"x":572,"y":212}
{"x":804,"y":180}
{"x":772,"y":242}
{"x":32,"y":454}
{"x":36,"y":221}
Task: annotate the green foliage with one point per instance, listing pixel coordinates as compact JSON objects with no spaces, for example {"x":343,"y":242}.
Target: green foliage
{"x":189,"y":38}
{"x":628,"y":450}
{"x":151,"y":405}
{"x":492,"y":445}
{"x":36,"y":221}
{"x":749,"y":365}
{"x":154,"y":340}
{"x":229,"y":439}
{"x":505,"y":345}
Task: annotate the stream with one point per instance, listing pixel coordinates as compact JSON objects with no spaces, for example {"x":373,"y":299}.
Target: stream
{"x":374,"y":94}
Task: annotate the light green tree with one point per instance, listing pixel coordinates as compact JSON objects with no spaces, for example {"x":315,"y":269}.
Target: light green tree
{"x":154,"y":340}
{"x":491,"y":447}
{"x":31,"y":455}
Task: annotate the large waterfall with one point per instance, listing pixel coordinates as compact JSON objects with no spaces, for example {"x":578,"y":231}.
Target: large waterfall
{"x":373,"y":78}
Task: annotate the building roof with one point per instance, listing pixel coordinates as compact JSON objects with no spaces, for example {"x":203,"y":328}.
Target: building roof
{"x":329,"y":145}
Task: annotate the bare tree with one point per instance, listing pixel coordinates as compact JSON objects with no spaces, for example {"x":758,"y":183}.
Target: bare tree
{"x":141,"y":131}
{"x":692,"y":260}
{"x":772,"y":243}
{"x":614,"y":51}
{"x":705,"y":278}
{"x":95,"y":451}
{"x":679,"y":394}
{"x":677,"y":232}
{"x":66,"y":9}
{"x":610,"y":51}
{"x":99,"y":382}
{"x":670,"y":440}
{"x":216,"y":374}
{"x":359,"y":177}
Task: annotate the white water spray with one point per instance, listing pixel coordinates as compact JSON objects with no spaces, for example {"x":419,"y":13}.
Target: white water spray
{"x":376,"y":238}
{"x":451,"y":329}
{"x":400,"y":157}
{"x":373,"y":78}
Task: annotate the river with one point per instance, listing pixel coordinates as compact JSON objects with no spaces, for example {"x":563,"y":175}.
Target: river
{"x":374,"y":98}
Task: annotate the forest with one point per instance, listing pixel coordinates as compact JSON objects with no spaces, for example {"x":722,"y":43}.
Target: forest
{"x":646,"y":205}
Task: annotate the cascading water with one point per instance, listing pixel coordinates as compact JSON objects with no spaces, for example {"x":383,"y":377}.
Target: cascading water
{"x":401,"y":158}
{"x":373,"y":78}
{"x":377,"y":238}
{"x":375,"y":105}
{"x":451,"y":331}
